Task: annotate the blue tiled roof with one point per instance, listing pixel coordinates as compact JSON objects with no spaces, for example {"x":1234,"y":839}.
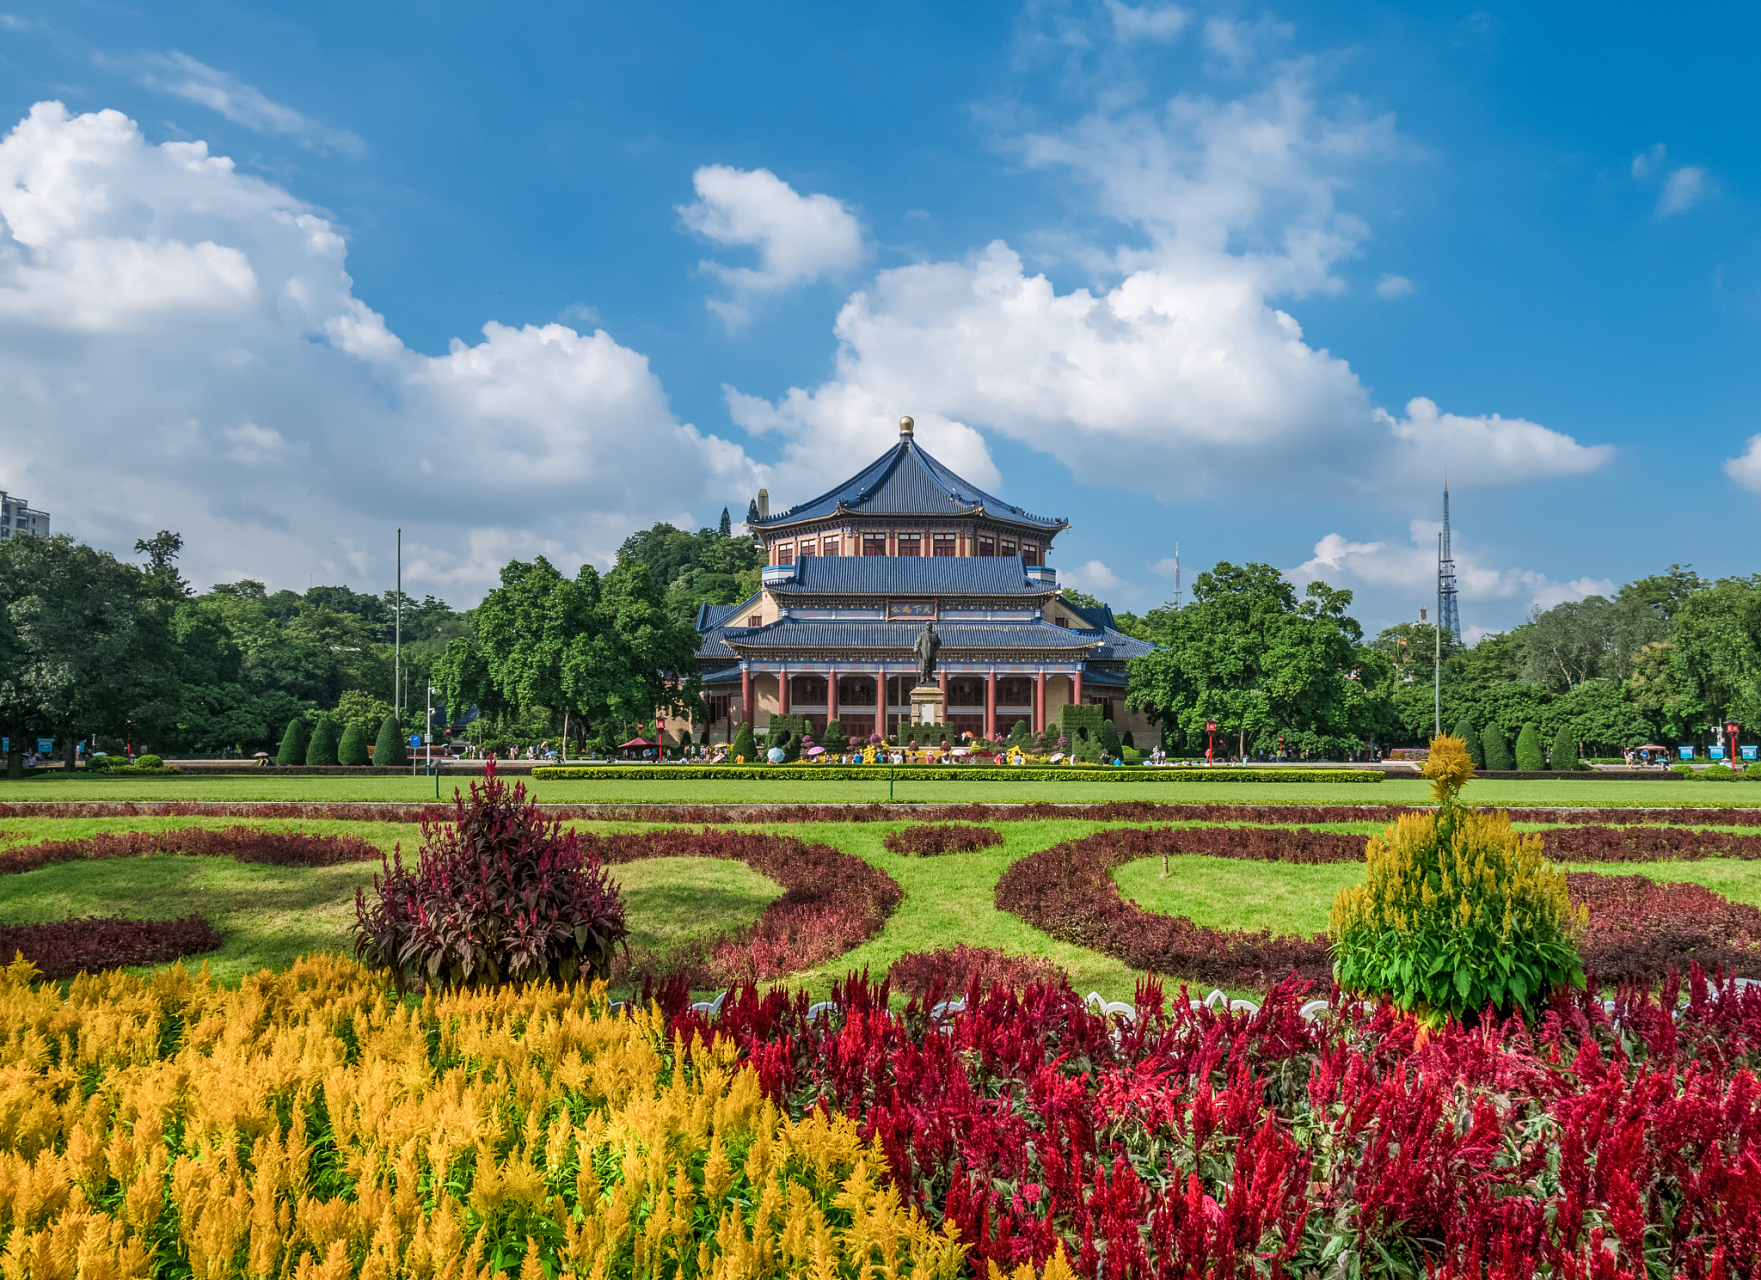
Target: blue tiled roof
{"x":910,"y":575}
{"x":792,"y":634}
{"x":1120,"y":645}
{"x":1100,"y":617}
{"x":727,"y":675}
{"x":907,"y":481}
{"x":1106,"y":679}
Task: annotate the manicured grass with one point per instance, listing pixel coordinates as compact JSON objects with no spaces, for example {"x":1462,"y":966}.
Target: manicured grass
{"x":672,"y":900}
{"x":1228,"y":893}
{"x":269,"y":786}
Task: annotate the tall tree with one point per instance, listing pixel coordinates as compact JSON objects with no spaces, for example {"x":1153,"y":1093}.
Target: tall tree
{"x":1715,"y":655}
{"x":726,"y":527}
{"x":643,"y":660}
{"x":534,"y":629}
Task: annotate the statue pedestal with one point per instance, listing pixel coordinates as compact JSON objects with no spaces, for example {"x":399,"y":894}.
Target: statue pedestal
{"x":926,"y":705}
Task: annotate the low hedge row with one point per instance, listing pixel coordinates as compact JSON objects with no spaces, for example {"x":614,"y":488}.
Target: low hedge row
{"x":937,"y":773}
{"x":929,"y":839}
{"x":951,"y":972}
{"x":66,"y":948}
{"x":242,"y":844}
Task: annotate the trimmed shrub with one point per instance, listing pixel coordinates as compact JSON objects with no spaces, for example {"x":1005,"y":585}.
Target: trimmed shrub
{"x":1109,"y":738}
{"x":64,"y":948}
{"x":935,"y":838}
{"x":834,"y":740}
{"x":744,"y":744}
{"x":1457,"y":912}
{"x":242,"y":844}
{"x":321,"y":749}
{"x":1529,"y":757}
{"x":1753,"y":770}
{"x":1497,"y":748}
{"x":1475,"y":748}
{"x":786,"y":732}
{"x":1077,"y":721}
{"x":1020,"y":735}
{"x":391,"y":749}
{"x":294,"y":742}
{"x":500,"y":894}
{"x":1565,"y":750}
{"x":1126,"y":740}
{"x":149,"y":761}
{"x":960,"y":969}
{"x":352,"y":750}
{"x":1684,"y":769}
{"x":1718,"y":773}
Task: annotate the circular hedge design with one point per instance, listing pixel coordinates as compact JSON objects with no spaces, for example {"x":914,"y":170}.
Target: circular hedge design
{"x":64,"y":948}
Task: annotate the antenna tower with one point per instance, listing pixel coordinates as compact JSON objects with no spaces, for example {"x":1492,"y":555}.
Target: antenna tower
{"x":1177,"y":575}
{"x":1448,"y":614}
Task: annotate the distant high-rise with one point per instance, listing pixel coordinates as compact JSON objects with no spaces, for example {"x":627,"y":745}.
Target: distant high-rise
{"x":1449,"y":615}
{"x":16,"y":516}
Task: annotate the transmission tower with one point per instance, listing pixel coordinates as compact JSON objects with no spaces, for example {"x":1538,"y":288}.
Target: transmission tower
{"x":1448,"y":613}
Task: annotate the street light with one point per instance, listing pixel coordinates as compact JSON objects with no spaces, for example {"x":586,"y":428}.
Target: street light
{"x":1211,"y":746}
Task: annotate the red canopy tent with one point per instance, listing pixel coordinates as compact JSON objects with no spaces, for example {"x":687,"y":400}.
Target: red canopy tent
{"x":636,"y":744}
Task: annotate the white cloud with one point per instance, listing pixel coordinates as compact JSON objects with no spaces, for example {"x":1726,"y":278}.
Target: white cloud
{"x":1409,"y":572}
{"x":1160,"y":23}
{"x":1683,"y":190}
{"x":1391,"y":287}
{"x":1165,"y":567}
{"x":1185,"y":376}
{"x":1649,"y":162}
{"x":1234,"y":45}
{"x":182,"y":76}
{"x":799,"y":238}
{"x":182,"y":348}
{"x":1746,"y":469}
{"x":1092,"y":577}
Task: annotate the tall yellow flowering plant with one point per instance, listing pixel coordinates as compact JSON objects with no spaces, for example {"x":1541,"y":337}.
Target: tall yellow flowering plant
{"x":1457,"y":911}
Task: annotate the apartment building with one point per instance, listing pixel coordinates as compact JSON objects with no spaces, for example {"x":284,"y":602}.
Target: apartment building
{"x":16,"y":516}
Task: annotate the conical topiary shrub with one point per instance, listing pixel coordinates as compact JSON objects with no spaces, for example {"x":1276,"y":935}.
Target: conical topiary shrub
{"x":1021,"y":736}
{"x":745,"y":745}
{"x":390,"y":751}
{"x":833,"y":739}
{"x":1565,"y":749}
{"x":352,"y":749}
{"x":294,"y":742}
{"x":1475,"y":748}
{"x":1457,"y":911}
{"x":321,"y":750}
{"x":1110,"y":739}
{"x":1528,"y":749}
{"x":1497,"y":749}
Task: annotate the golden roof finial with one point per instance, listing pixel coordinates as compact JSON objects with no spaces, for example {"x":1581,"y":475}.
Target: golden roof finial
{"x":905,"y":426}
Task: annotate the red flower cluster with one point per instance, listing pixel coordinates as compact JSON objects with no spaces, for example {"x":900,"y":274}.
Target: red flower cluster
{"x":243,"y":844}
{"x":68,"y":947}
{"x":930,"y":839}
{"x":830,"y":902}
{"x":928,"y":975}
{"x":1191,"y":1143}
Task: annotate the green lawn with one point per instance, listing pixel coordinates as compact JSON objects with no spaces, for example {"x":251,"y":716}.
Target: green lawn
{"x":672,"y":900}
{"x":269,"y":786}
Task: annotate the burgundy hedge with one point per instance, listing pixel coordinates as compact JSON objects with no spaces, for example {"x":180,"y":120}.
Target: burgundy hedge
{"x":68,"y":947}
{"x":949,"y":837}
{"x":243,"y":844}
{"x":958,"y":970}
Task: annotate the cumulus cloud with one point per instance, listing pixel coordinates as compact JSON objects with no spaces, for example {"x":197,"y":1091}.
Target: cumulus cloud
{"x":1682,"y":189}
{"x":180,"y":346}
{"x":1092,"y":577}
{"x":1746,"y":469}
{"x":799,"y":238}
{"x":1159,"y":23}
{"x":1391,"y":287}
{"x":1186,"y":375}
{"x":182,"y":76}
{"x":1409,"y":571}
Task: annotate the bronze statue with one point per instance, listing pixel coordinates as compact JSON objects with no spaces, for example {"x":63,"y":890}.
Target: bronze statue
{"x":927,"y":646}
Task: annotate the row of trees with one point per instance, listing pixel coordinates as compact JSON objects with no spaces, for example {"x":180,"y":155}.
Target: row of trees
{"x":1667,"y":659}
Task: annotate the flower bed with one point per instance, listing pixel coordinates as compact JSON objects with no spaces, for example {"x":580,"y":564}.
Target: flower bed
{"x":64,"y":948}
{"x":243,"y":844}
{"x":937,"y":773}
{"x":830,"y":902}
{"x":1640,"y":929}
{"x":956,"y":970}
{"x":1201,"y":1143}
{"x":929,"y":839}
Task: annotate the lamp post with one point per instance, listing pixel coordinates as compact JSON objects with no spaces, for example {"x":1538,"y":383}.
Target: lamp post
{"x":1731,"y":730}
{"x":1211,"y":743}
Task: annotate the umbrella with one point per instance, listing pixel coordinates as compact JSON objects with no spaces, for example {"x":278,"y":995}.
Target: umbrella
{"x":1650,"y":746}
{"x":260,"y":755}
{"x":816,"y":751}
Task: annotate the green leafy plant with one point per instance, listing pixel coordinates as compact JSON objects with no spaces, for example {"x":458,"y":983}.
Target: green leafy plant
{"x":1475,"y":748}
{"x":1565,"y":750}
{"x":1497,"y":748}
{"x":352,"y":750}
{"x":294,"y":742}
{"x":149,"y":761}
{"x":1109,"y":738}
{"x":389,"y":750}
{"x":744,"y":744}
{"x":321,"y":750}
{"x":1718,"y":773}
{"x":1528,"y":750}
{"x":833,"y":739}
{"x":1457,"y":912}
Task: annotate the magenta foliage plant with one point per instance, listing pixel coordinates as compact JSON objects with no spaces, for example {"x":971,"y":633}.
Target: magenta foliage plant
{"x":500,"y":894}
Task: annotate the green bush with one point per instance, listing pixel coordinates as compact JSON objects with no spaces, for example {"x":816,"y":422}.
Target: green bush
{"x":1497,"y":748}
{"x":786,"y":732}
{"x":149,"y":761}
{"x":939,"y":773}
{"x":1718,"y":772}
{"x":1753,"y":771}
{"x":1528,"y":750}
{"x":744,"y":744}
{"x":1126,"y":740}
{"x":101,"y":763}
{"x":352,"y":749}
{"x":1475,"y":748}
{"x":1020,"y":735}
{"x":390,"y":750}
{"x":294,"y":742}
{"x":1686,"y":770}
{"x":1110,"y":739}
{"x":1079,"y":721}
{"x":321,"y":750}
{"x":833,"y":740}
{"x":1565,"y":750}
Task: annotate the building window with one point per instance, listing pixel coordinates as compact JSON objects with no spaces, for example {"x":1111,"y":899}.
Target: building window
{"x":1029,"y":553}
{"x":908,"y":544}
{"x":1064,"y":622}
{"x":1007,"y":548}
{"x":718,"y":707}
{"x":809,"y":548}
{"x":944,"y":544}
{"x":786,"y":553}
{"x":829,"y":547}
{"x":855,"y":691}
{"x":1015,"y":691}
{"x":987,"y":545}
{"x":874,"y":544}
{"x":756,"y":620}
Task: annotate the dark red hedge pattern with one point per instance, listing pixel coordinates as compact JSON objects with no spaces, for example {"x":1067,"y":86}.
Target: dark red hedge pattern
{"x":1638,"y":929}
{"x":69,"y":947}
{"x":699,"y":815}
{"x":830,"y":902}
{"x":1599,"y":1145}
{"x":950,"y":837}
{"x":949,"y":971}
{"x":243,"y":844}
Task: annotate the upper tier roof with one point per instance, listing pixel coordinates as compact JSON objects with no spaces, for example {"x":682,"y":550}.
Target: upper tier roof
{"x":906,"y":481}
{"x":910,"y":575}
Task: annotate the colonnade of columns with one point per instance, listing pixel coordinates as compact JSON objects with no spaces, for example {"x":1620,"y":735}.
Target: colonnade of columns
{"x":749,"y":702}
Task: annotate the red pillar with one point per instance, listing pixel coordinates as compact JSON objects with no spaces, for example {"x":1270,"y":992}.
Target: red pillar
{"x":990,"y":706}
{"x":880,"y":702}
{"x":783,"y":691}
{"x":1076,"y":687}
{"x":1039,"y":703}
{"x":831,"y":696}
{"x":746,"y":697}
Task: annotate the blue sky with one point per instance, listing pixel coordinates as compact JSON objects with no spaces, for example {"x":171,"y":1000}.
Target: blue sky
{"x":1247,"y":278}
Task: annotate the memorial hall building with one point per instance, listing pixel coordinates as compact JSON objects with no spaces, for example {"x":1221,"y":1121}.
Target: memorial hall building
{"x":853,"y":574}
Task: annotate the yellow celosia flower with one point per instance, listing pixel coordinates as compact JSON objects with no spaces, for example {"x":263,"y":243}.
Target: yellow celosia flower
{"x":1449,"y":767}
